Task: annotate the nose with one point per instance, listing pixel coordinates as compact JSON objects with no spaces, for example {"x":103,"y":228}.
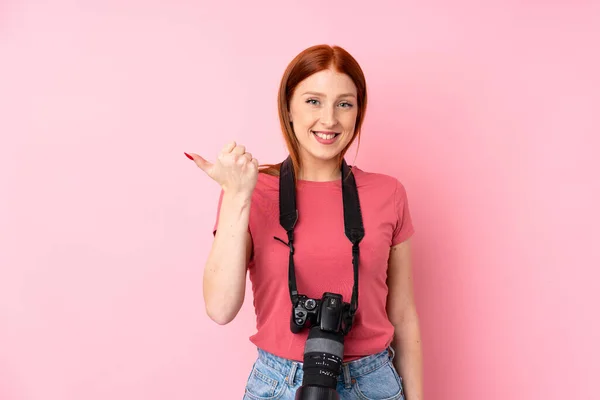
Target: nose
{"x":328,"y":117}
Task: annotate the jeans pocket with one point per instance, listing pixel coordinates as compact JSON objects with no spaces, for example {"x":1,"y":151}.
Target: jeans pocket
{"x":381,"y":384}
{"x":264,"y":383}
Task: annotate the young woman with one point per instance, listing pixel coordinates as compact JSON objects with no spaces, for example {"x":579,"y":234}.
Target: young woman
{"x":322,"y":102}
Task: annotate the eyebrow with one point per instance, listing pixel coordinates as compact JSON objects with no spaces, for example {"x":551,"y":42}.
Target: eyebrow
{"x":321,"y":94}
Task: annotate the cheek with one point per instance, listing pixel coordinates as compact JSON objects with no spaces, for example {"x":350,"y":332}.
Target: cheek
{"x":304,"y":119}
{"x":349,"y":121}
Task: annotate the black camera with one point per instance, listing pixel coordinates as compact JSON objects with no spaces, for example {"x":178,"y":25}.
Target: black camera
{"x":329,"y":313}
{"x":329,"y":318}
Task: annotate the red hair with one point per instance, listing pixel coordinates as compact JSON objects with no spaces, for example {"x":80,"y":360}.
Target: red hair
{"x":310,"y":61}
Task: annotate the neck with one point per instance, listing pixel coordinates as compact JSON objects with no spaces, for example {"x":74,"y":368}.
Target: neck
{"x":319,"y":171}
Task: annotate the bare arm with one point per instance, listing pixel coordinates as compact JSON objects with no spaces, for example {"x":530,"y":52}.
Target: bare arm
{"x":224,"y":282}
{"x":403,"y":315}
{"x":225,"y":270}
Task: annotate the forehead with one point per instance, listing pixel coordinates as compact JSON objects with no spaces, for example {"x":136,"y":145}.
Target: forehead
{"x":329,"y":82}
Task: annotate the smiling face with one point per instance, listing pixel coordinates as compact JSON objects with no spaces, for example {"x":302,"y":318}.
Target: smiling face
{"x":323,"y":112}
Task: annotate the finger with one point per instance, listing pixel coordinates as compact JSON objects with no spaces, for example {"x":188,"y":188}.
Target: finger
{"x":245,"y":158}
{"x":200,"y":161}
{"x":239,"y":150}
{"x":255,"y":162}
{"x":242,"y":160}
{"x":228,"y":147}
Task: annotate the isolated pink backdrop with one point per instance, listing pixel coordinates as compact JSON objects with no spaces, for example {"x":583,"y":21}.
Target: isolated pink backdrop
{"x":486,"y":111}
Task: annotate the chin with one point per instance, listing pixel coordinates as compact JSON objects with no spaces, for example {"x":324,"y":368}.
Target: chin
{"x":325,"y":156}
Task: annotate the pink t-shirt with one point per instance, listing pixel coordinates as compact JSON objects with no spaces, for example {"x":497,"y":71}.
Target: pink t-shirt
{"x":323,"y":259}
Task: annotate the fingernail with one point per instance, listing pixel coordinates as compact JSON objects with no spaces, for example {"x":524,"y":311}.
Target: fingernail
{"x":188,"y":156}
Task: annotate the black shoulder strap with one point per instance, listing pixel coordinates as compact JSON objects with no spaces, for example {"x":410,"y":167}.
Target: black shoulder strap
{"x":288,"y":216}
{"x":353,"y":223}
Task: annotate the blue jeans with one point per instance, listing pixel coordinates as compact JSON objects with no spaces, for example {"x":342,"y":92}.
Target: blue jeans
{"x":369,"y":378}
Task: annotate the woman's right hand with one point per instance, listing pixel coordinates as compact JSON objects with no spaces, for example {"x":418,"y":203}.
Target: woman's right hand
{"x":235,"y":169}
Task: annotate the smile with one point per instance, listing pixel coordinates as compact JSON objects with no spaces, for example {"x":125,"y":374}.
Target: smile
{"x":325,"y":137}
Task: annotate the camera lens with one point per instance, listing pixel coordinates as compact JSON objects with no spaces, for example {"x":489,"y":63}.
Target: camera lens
{"x":323,"y":356}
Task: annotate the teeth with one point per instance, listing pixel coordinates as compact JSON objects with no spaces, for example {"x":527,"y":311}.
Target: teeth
{"x":324,"y":136}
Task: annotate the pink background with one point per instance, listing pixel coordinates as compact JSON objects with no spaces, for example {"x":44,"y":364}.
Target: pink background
{"x":488,"y":113}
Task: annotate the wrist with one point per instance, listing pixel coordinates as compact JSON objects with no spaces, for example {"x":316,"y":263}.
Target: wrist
{"x":237,"y":198}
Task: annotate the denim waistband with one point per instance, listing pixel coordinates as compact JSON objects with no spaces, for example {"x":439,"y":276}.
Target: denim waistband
{"x":352,"y":369}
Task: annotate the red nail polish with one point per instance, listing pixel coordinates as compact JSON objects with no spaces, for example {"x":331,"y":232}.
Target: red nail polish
{"x":188,"y":156}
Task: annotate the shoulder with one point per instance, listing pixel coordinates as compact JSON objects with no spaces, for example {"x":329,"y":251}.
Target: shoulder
{"x":267,"y":181}
{"x":377,"y":181}
{"x":266,"y":190}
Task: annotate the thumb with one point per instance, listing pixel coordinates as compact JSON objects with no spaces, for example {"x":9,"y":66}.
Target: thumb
{"x":200,"y":162}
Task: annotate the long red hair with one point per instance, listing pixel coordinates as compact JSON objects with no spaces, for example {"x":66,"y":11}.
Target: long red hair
{"x":312,"y":60}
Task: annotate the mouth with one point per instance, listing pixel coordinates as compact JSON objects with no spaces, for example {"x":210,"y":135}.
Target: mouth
{"x":325,"y":135}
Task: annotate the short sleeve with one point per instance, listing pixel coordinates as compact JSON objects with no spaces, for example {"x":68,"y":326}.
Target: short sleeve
{"x":404,"y":228}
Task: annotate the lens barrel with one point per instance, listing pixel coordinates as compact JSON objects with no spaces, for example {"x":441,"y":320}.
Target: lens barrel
{"x":323,"y":357}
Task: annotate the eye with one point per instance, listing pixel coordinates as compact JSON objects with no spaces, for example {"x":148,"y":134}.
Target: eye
{"x":312,"y":101}
{"x":345,"y":104}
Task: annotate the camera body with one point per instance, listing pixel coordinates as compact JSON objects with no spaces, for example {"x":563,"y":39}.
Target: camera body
{"x":330,"y":313}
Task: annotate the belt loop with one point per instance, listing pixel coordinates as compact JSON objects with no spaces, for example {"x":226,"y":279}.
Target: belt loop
{"x":292,"y":375}
{"x":392,"y":353}
{"x":347,"y":379}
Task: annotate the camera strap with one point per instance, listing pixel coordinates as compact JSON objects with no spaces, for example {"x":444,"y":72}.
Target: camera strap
{"x":353,"y":224}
